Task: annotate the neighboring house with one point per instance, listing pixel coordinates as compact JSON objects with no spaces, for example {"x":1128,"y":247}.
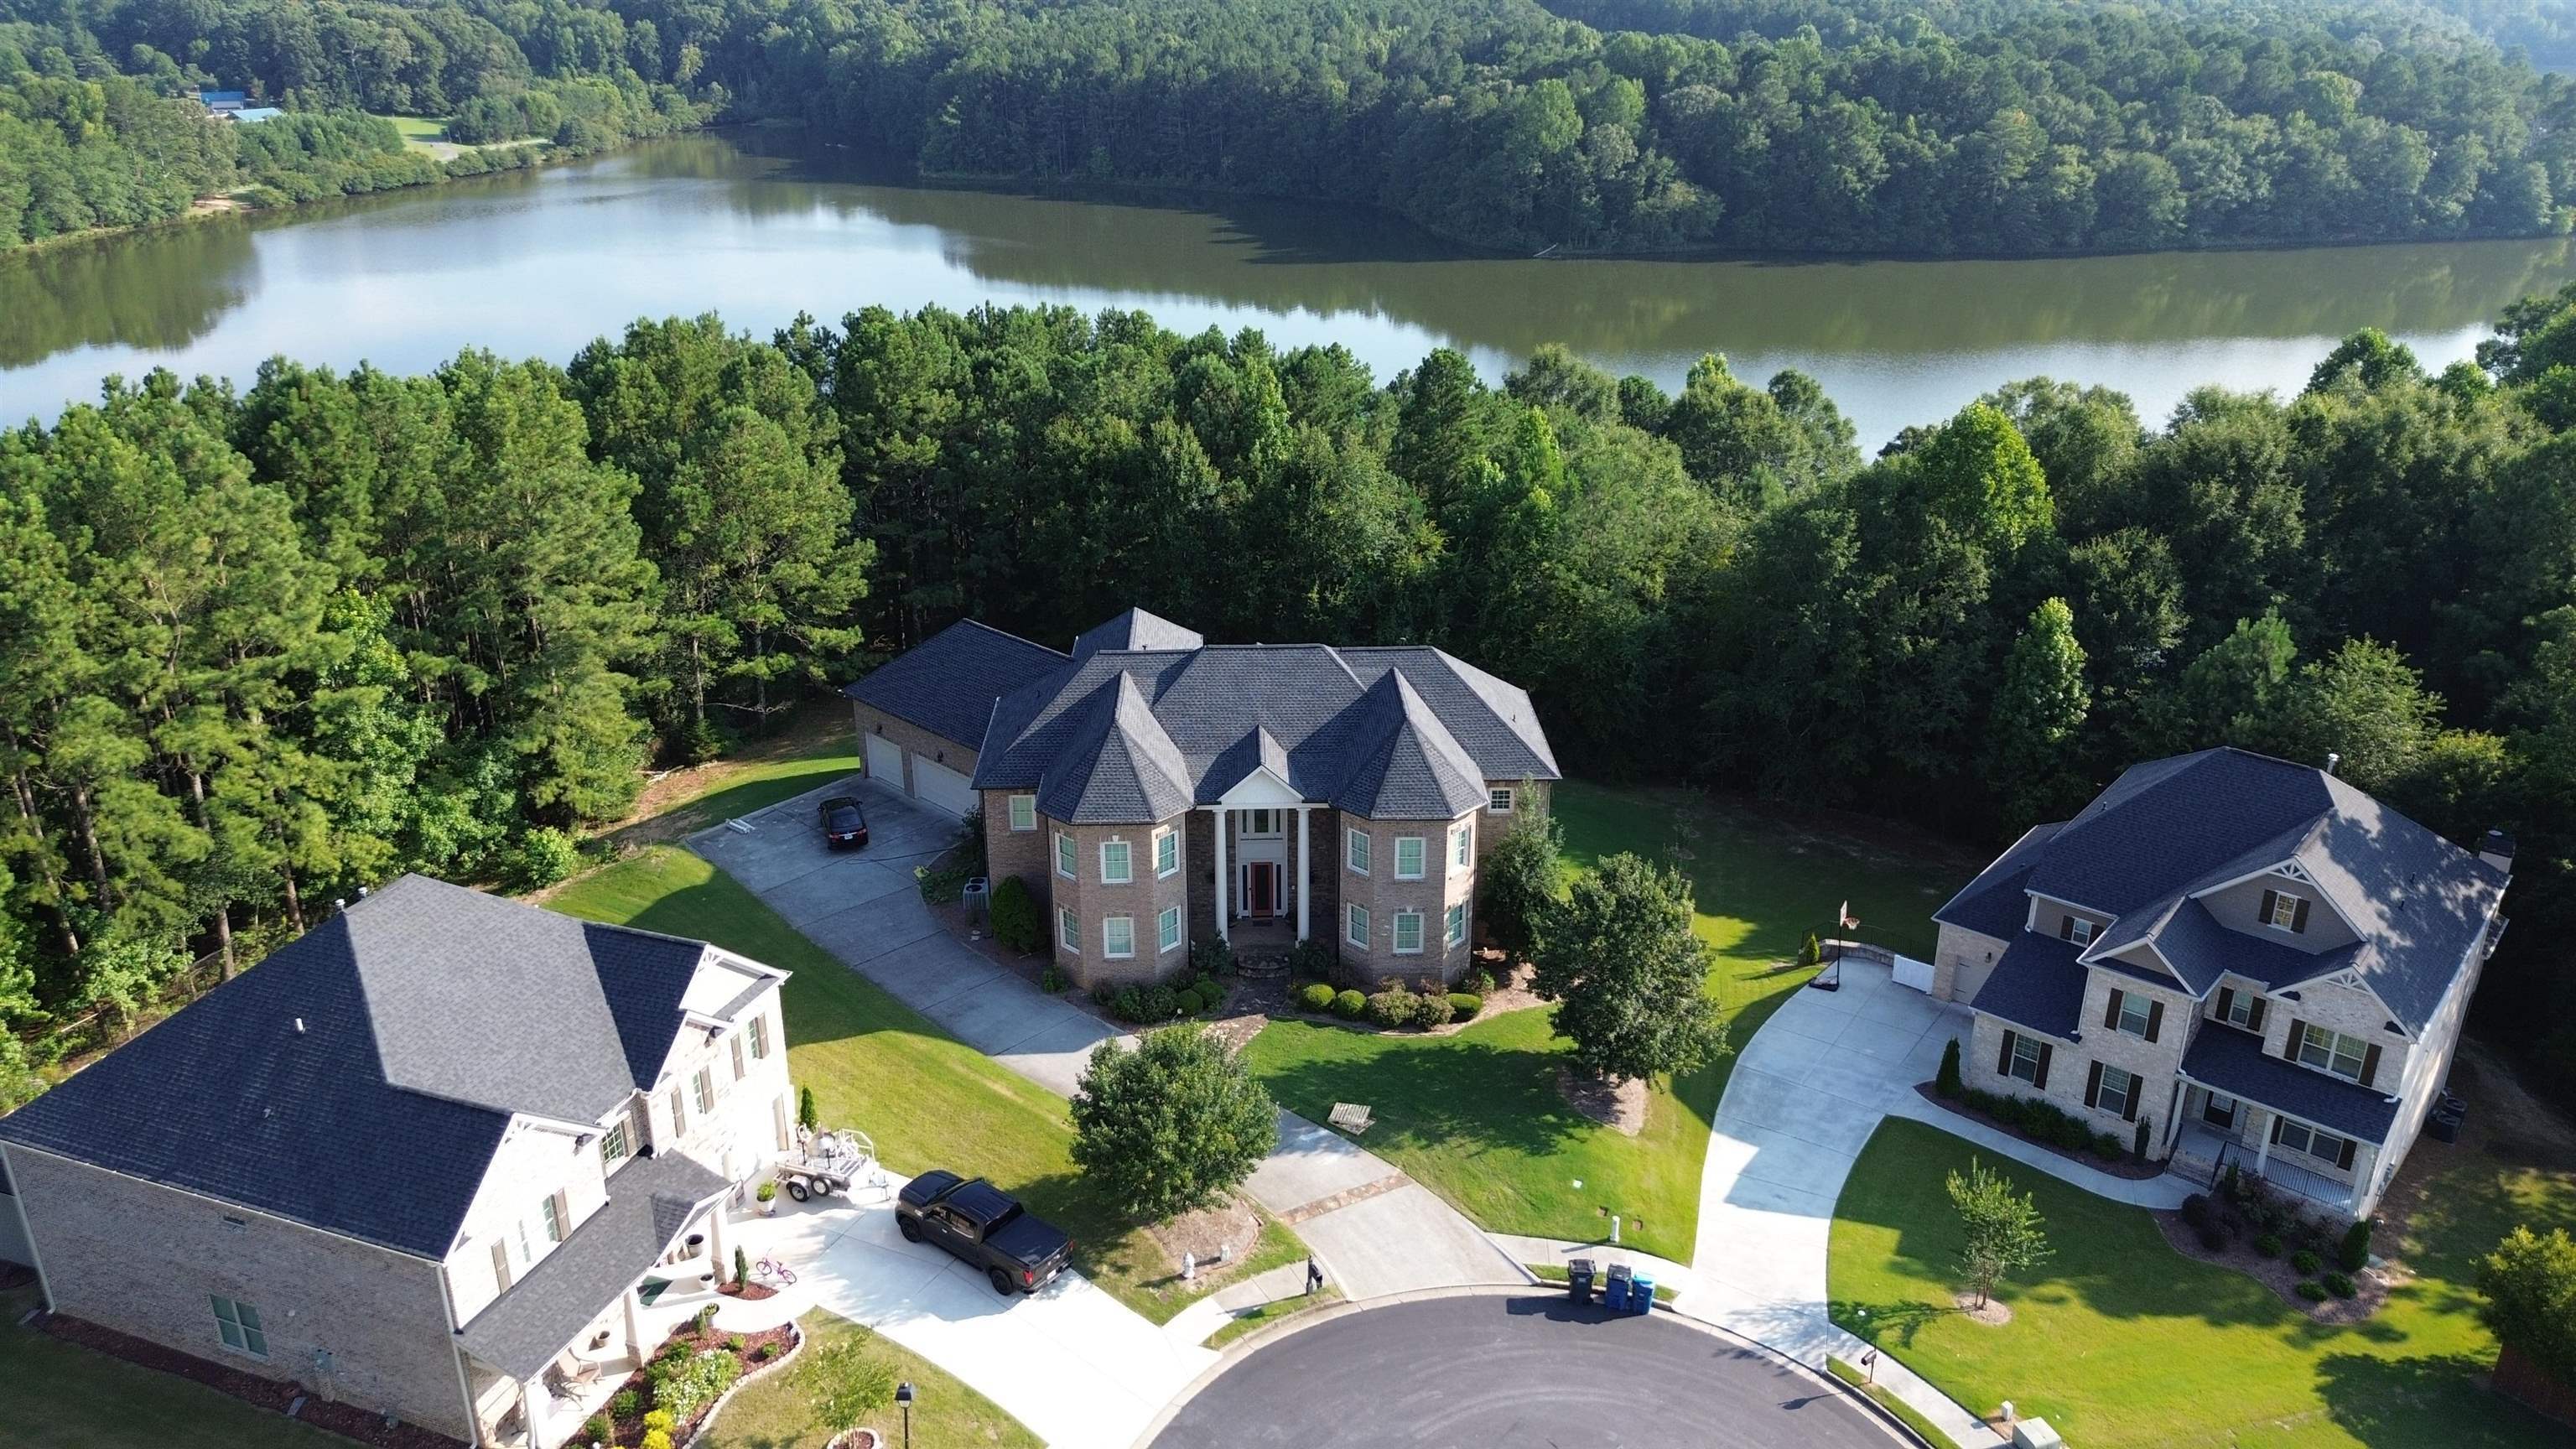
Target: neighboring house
{"x":253,"y":115}
{"x":223,"y":103}
{"x":2264,"y":964}
{"x":1153,"y":789}
{"x":431,"y":1158}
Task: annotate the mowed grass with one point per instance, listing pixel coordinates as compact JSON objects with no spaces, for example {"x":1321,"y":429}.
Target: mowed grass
{"x":2120,"y":1341}
{"x":875,"y":1064}
{"x":419,"y":130}
{"x":777,"y":1412}
{"x":1479,"y":1117}
{"x":55,"y":1395}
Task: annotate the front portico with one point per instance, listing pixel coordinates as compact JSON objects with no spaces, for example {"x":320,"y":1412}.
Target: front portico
{"x":1259,"y":873}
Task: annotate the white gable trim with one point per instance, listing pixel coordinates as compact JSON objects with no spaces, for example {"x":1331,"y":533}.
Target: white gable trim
{"x":2351,"y":979}
{"x":2310,"y":889}
{"x":1261,"y":790}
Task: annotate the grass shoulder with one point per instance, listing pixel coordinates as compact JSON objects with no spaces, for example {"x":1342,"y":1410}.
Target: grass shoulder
{"x":1556,"y":1273}
{"x":777,"y":1412}
{"x":1904,"y":1413}
{"x":1271,"y":1314}
{"x":63,"y":1396}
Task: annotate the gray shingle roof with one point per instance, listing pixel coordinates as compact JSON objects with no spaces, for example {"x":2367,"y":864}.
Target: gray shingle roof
{"x":1393,"y":733}
{"x":1120,"y":766}
{"x":649,"y":1200}
{"x":1996,"y":903}
{"x":2170,"y":829}
{"x":2035,"y":983}
{"x":430,"y":1013}
{"x":2232,"y":1062}
{"x":1135,"y":629}
{"x":947,"y":683}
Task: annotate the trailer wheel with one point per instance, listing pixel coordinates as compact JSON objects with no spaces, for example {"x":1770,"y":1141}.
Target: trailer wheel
{"x":797,"y":1189}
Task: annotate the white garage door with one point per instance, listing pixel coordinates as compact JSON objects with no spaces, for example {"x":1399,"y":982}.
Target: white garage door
{"x":939,"y":786}
{"x":885,"y":761}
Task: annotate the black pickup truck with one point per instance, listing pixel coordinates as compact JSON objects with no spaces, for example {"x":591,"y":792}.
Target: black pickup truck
{"x":986,"y":1227}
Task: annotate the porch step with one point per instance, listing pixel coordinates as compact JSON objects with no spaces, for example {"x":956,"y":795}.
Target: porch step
{"x":1261,"y":965}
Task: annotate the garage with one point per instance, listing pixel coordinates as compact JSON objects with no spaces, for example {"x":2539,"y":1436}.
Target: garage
{"x":936,"y":785}
{"x":885,"y":761}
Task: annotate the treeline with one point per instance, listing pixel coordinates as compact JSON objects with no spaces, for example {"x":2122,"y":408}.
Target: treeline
{"x":260,"y":649}
{"x":97,"y":127}
{"x":2027,"y":128}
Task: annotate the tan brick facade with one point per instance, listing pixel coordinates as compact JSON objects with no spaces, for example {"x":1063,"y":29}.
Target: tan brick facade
{"x":1527,"y":795}
{"x":915,"y":740}
{"x":1386,"y":895}
{"x":374,"y":1312}
{"x":2154,"y":1063}
{"x":1961,"y":961}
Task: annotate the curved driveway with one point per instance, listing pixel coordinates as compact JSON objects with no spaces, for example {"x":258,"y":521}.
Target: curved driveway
{"x":1516,"y":1372}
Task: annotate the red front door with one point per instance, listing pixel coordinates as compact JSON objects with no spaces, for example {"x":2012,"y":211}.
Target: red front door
{"x":1261,"y":888}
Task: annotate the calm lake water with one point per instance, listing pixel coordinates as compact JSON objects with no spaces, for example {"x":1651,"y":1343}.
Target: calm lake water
{"x":538,"y":264}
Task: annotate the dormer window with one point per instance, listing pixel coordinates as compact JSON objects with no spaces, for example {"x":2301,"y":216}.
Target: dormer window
{"x":2283,"y":912}
{"x":613,"y":1148}
{"x":2078,"y":930}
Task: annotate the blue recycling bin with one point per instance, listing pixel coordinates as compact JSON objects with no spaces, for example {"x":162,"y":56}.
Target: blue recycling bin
{"x":1614,"y":1293}
{"x":1641,"y":1294}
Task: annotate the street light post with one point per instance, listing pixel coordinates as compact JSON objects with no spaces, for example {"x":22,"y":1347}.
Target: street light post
{"x":903,"y":1396}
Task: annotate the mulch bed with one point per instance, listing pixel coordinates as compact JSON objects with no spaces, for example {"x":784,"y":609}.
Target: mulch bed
{"x":1233,"y":1225}
{"x":629,"y":1430}
{"x":364,"y":1425}
{"x":2370,"y":1286}
{"x":1619,"y":1106}
{"x":748,"y":1292}
{"x":2122,"y":1166}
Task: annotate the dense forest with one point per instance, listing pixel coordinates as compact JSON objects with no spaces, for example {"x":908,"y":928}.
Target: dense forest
{"x":98,"y":127}
{"x":262,"y":647}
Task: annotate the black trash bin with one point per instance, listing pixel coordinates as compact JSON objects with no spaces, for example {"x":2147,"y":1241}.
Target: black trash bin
{"x":1578,"y":1280}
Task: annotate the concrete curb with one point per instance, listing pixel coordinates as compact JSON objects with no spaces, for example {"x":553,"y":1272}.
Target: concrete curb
{"x":1234,"y":1353}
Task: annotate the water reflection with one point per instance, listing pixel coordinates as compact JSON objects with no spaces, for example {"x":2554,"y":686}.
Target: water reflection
{"x":758,"y":227}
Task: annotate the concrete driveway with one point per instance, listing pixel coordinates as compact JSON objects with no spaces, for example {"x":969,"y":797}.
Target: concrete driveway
{"x":1516,"y":1370}
{"x":1807,"y":1093}
{"x":1375,"y":1230}
{"x":1077,"y":1367}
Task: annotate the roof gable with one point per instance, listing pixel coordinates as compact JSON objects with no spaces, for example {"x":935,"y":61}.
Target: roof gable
{"x":1134,"y":629}
{"x":948,"y":682}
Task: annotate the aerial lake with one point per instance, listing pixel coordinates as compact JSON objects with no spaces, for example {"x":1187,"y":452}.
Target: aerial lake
{"x":758,"y":229}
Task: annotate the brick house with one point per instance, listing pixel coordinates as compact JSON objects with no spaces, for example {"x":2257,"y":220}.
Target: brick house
{"x":2267,"y":966}
{"x":446,"y":1156}
{"x":1152,"y":789}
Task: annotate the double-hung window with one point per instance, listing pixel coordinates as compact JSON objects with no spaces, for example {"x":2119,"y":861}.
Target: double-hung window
{"x":2079,"y":930}
{"x":551,"y":1213}
{"x":1024,"y":812}
{"x":1408,"y":933}
{"x":2331,"y":1051}
{"x":1068,"y":931}
{"x":1462,"y":846}
{"x":2134,"y":1013}
{"x":1118,"y":936}
{"x":760,"y":1038}
{"x":2240,"y":1008}
{"x":1355,"y":925}
{"x":1064,"y":855}
{"x":1167,"y":852}
{"x":238,"y":1325}
{"x":1116,"y":868}
{"x":613,"y":1147}
{"x":1356,"y":851}
{"x":2300,"y":1137}
{"x":2024,"y":1062}
{"x":704,"y":1086}
{"x":1408,"y":857}
{"x":1458,"y":924}
{"x":2119,"y":1091}
{"x":1167,"y":930}
{"x":2285,"y":912}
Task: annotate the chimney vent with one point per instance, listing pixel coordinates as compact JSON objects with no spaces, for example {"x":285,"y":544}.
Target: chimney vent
{"x":299,"y":1026}
{"x":2333,"y":758}
{"x":2497,"y":850}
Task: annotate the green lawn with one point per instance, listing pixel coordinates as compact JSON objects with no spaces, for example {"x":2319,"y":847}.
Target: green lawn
{"x":778,"y":1412}
{"x":1906,"y":1414}
{"x":1477,"y":1115}
{"x":420,"y":129}
{"x":58,"y":1396}
{"x":877,"y":1065}
{"x":2121,"y":1341}
{"x":1278,"y":1310}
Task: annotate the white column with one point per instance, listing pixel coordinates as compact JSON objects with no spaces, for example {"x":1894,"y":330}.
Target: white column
{"x":633,"y":1313}
{"x":1305,"y":871}
{"x":716,"y":1242}
{"x":2263,"y":1146}
{"x":1220,"y":814}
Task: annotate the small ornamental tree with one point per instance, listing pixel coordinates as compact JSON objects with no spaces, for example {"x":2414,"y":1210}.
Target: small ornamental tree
{"x":2530,"y":1285}
{"x":1947,"y":1082}
{"x":1016,"y":921}
{"x":1520,"y":881}
{"x":850,"y":1384}
{"x":1172,"y":1124}
{"x":806,"y":1116}
{"x":2005,"y":1233}
{"x":1627,"y":974}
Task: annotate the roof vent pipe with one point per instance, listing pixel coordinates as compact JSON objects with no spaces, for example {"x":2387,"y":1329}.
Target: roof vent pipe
{"x":299,"y":1026}
{"x":2333,"y":758}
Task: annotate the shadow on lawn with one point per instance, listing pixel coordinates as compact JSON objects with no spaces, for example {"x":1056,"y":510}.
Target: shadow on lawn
{"x":1879,"y":1323}
{"x":2440,"y":1400}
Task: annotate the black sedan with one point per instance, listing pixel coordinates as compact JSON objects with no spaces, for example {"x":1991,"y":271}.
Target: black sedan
{"x":845,"y":822}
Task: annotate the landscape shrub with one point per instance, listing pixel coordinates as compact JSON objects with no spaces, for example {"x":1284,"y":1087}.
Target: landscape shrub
{"x":1162,"y":1003}
{"x":660,"y":1419}
{"x":1946,"y":1081}
{"x":697,"y":1384}
{"x":733,"y":1343}
{"x":2353,"y":1254}
{"x":545,"y":855}
{"x":1316,"y":996}
{"x":1348,"y":1005}
{"x":1480,"y":981}
{"x":2196,"y":1211}
{"x":1810,"y":951}
{"x":1212,"y":957}
{"x":2070,"y":1133}
{"x":2312,"y":1290}
{"x":764,"y":1353}
{"x":1053,"y":979}
{"x":1310,"y":960}
{"x":1016,"y":922}
{"x":1391,"y":1005}
{"x":656,"y":1439}
{"x":2107,"y":1146}
{"x":596,"y":1429}
{"x":2306,"y":1262}
{"x":1463,"y":1005}
{"x":623,"y":1404}
{"x":1432,"y":1008}
{"x":1104,"y":995}
{"x":2339,"y":1284}
{"x":2268,"y":1244}
{"x":2138,"y":1141}
{"x":2214,"y":1236}
{"x":1127,"y":1004}
{"x":806,"y":1116}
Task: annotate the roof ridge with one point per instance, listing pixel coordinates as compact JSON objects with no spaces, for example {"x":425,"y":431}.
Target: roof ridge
{"x":1004,"y":633}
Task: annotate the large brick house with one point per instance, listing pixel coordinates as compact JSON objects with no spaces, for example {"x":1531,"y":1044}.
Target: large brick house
{"x":2267,"y":966}
{"x":432,"y":1158}
{"x":1153,"y":789}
